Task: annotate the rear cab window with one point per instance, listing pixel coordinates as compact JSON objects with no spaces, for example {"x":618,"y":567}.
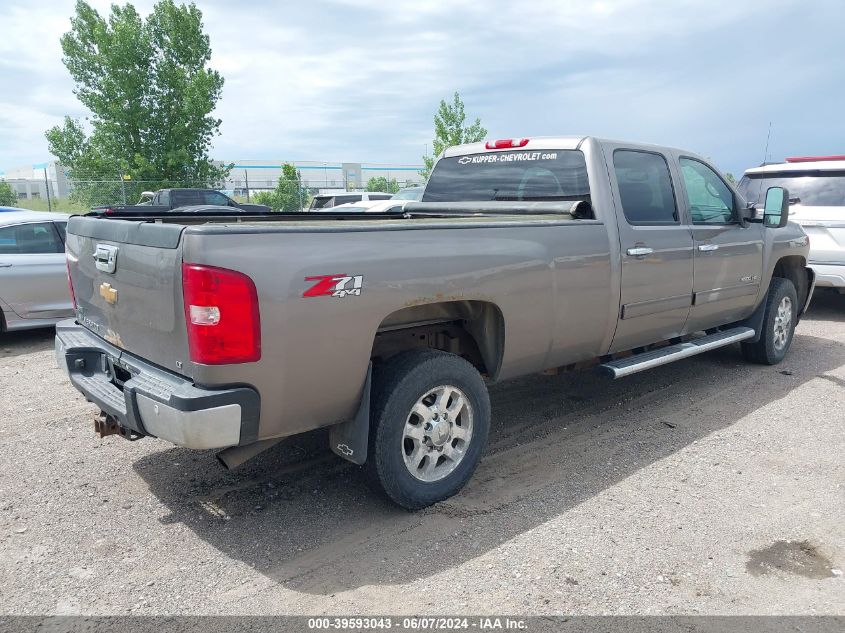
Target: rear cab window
{"x":520,"y":175}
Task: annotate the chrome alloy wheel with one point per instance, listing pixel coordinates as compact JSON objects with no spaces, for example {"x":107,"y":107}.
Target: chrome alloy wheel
{"x":437,"y":433}
{"x":783,"y":323}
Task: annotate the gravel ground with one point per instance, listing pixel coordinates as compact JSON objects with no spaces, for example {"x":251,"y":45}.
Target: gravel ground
{"x":708,"y":486}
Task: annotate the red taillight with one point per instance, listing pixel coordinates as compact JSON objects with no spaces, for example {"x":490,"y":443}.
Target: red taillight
{"x":504,"y":143}
{"x":812,"y":159}
{"x":221,"y":312}
{"x":69,"y":282}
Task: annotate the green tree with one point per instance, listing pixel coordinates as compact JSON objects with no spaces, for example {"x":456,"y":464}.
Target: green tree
{"x":449,"y":130}
{"x":150,"y":94}
{"x":380,"y":183}
{"x":289,"y":194}
{"x":7,"y":196}
{"x":731,"y":178}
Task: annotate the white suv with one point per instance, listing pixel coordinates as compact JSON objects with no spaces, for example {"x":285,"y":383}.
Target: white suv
{"x":329,"y":200}
{"x":816,"y":187}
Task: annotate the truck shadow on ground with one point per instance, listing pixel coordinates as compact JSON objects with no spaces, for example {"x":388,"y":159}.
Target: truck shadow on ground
{"x":306,"y":519}
{"x":26,"y":342}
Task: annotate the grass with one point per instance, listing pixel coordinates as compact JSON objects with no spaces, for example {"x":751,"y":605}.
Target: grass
{"x":59,"y":206}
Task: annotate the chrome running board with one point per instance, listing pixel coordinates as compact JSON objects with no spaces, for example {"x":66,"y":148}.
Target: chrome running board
{"x":654,"y":358}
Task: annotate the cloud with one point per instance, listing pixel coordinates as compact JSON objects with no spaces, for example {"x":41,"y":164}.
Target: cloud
{"x":358,"y":80}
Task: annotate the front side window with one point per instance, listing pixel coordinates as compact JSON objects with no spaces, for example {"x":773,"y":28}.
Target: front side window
{"x":29,"y":239}
{"x":645,"y":187}
{"x":710,"y":200}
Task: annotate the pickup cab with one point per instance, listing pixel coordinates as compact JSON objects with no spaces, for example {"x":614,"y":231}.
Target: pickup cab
{"x":188,"y":200}
{"x":523,"y":255}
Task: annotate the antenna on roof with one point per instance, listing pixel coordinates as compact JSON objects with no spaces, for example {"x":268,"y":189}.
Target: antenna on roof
{"x":765,"y":156}
{"x":768,"y":136}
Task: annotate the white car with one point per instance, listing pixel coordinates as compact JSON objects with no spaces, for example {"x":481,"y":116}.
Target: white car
{"x":369,"y":206}
{"x":816,"y":187}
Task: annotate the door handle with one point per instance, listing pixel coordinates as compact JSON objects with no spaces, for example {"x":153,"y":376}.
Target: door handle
{"x":640,"y":251}
{"x":706,"y":248}
{"x":2,"y":265}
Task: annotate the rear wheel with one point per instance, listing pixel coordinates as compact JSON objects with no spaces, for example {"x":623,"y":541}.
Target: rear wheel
{"x":430,"y":421}
{"x":778,"y":325}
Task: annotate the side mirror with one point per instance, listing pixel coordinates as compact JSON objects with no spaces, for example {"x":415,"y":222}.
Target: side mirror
{"x":776,"y":209}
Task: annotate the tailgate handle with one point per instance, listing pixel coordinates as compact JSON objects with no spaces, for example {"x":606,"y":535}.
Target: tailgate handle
{"x":105,"y":257}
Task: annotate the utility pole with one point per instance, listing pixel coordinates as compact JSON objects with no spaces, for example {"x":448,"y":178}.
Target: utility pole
{"x":246,"y":182}
{"x":123,"y":187}
{"x":47,"y":187}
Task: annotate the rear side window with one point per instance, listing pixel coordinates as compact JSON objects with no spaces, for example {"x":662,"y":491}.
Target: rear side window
{"x":645,"y":187}
{"x":184,"y":198}
{"x":524,"y":175}
{"x":709,"y":198}
{"x":61,"y":227}
{"x":30,"y":239}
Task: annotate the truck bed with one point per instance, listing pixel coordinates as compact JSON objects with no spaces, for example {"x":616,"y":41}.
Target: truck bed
{"x":490,"y":263}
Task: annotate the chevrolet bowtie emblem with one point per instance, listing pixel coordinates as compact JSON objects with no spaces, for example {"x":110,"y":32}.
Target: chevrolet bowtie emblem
{"x":108,"y":293}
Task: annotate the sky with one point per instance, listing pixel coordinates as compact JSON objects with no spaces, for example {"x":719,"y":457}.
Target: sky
{"x":360,"y":80}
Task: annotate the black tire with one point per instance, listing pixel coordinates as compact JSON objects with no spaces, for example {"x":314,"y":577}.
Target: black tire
{"x":398,"y":385}
{"x":770,"y":350}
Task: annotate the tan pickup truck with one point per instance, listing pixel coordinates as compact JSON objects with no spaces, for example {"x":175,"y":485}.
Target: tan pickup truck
{"x":232,"y":332}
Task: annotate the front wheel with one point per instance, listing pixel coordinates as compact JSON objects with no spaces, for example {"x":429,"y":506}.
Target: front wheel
{"x":778,"y":325}
{"x":429,"y":425}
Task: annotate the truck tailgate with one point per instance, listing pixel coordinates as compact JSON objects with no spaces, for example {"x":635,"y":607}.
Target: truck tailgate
{"x":127,"y":281}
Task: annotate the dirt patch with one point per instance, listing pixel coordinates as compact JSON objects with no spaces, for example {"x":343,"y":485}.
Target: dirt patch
{"x":794,"y":557}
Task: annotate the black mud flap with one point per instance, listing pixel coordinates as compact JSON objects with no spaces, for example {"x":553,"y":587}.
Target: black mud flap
{"x":349,"y":439}
{"x":755,"y":321}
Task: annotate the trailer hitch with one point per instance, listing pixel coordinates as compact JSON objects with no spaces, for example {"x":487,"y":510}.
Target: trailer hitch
{"x":104,"y":425}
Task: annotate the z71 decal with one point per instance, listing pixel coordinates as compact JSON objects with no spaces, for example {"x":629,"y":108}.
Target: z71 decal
{"x":335,"y":286}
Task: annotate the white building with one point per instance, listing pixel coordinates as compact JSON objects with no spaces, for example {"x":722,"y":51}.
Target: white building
{"x":34,"y":181}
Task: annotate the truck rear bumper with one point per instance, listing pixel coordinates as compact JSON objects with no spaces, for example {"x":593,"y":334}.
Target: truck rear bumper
{"x":152,"y":401}
{"x":829,"y":275}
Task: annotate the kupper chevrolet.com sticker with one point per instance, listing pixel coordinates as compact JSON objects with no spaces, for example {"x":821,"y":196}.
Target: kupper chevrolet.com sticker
{"x":506,"y":158}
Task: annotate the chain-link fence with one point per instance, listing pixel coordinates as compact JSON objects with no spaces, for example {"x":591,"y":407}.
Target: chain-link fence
{"x":72,"y":193}
{"x":103,"y":192}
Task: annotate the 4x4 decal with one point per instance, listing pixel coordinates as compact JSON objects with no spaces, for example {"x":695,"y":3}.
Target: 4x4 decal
{"x":335,"y":286}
